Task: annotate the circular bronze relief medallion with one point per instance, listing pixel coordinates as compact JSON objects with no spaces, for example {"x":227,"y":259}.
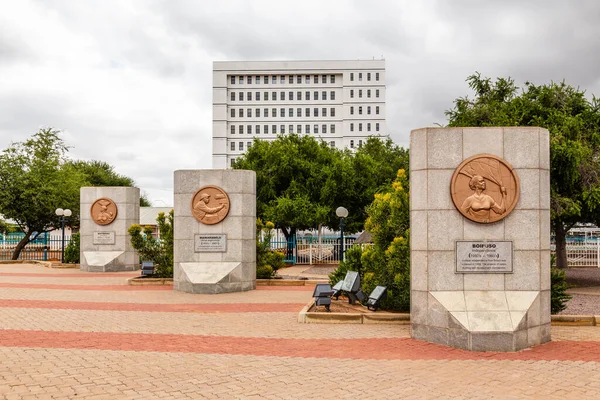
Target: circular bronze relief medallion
{"x":485,"y":188}
{"x":103,"y":211}
{"x":210,"y":205}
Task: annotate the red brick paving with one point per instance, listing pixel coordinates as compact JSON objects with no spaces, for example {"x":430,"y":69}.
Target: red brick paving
{"x":83,"y":287}
{"x":73,"y":275}
{"x":365,"y":349}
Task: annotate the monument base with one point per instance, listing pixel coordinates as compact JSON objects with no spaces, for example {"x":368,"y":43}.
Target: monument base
{"x":212,"y":277}
{"x":109,"y":261}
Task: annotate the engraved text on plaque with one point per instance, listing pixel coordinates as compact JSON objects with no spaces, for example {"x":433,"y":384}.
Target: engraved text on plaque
{"x":484,"y":256}
{"x":210,"y":243}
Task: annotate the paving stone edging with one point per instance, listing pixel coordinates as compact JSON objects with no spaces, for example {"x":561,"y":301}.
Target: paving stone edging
{"x":137,"y":281}
{"x":47,"y":264}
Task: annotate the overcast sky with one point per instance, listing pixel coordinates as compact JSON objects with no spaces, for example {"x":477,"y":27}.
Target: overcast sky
{"x":130,"y":82}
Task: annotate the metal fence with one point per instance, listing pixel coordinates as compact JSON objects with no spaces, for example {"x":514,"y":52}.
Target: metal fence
{"x":583,"y":254}
{"x":45,"y":247}
{"x":309,"y":250}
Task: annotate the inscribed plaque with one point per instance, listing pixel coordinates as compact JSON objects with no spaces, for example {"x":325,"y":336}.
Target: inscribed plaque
{"x":104,"y":238}
{"x":484,"y":256}
{"x":210,"y":243}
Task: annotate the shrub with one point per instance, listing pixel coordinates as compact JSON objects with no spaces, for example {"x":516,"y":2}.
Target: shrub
{"x":264,"y":272}
{"x":352,"y":262}
{"x":159,"y":251}
{"x":72,"y":250}
{"x":265,"y":257}
{"x":558,"y":293}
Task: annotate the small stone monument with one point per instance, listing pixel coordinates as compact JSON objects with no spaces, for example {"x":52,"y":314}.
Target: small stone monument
{"x":106,"y":214}
{"x":480,"y":237}
{"x":214,"y":231}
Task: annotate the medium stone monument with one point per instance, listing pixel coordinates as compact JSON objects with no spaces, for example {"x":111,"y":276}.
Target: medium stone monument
{"x":480,"y":237}
{"x":106,"y":214}
{"x":214,"y":231}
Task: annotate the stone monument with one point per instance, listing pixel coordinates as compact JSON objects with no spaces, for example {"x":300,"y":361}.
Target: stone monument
{"x":106,"y":214}
{"x":214,"y":231}
{"x":480,"y":237}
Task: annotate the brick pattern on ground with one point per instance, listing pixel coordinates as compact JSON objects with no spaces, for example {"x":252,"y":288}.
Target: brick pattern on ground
{"x":59,"y":341}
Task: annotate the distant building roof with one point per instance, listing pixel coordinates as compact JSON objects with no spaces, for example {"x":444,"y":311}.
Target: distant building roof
{"x":148,"y":214}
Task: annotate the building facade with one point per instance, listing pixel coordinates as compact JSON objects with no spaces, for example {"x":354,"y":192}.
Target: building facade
{"x":340,"y":102}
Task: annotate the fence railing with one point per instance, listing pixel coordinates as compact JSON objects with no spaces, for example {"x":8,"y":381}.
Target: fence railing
{"x":583,"y":254}
{"x":45,"y":247}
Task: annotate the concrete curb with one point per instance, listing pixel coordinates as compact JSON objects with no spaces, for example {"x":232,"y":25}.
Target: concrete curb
{"x":150,"y":281}
{"x":307,"y":317}
{"x":47,"y":264}
{"x":576,"y":320}
{"x":291,"y":282}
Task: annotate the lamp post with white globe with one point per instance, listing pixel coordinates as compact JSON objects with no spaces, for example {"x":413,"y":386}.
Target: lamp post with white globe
{"x":63,"y":217}
{"x":342,"y":213}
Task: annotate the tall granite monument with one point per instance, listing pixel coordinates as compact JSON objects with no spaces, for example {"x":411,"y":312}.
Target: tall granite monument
{"x":214,"y":231}
{"x":106,"y":214}
{"x":480,"y":237}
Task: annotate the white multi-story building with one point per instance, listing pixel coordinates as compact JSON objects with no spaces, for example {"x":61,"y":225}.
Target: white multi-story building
{"x":340,"y":102}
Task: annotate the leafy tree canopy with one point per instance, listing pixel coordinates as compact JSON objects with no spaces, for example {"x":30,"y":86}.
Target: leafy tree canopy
{"x":301,"y":181}
{"x":574,"y":125}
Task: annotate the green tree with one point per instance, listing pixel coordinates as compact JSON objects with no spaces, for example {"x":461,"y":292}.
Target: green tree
{"x":35,"y":180}
{"x":574,"y":125}
{"x":101,"y":173}
{"x":159,"y":250}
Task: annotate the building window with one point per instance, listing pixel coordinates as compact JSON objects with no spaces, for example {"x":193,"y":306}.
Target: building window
{"x":266,"y":112}
{"x":359,"y":110}
{"x":266,"y":79}
{"x":291,"y":96}
{"x":281,"y":95}
{"x":332,"y":79}
{"x":257,"y":128}
{"x":274,"y":96}
{"x":323,"y":78}
{"x":266,"y":129}
{"x":249,"y":80}
{"x":351,"y":127}
{"x":307,"y":95}
{"x":282,"y":112}
{"x":241,"y":112}
{"x":315,"y":112}
{"x":324,"y":95}
{"x":351,"y":110}
{"x":273,"y":112}
{"x":332,"y":112}
{"x":241,"y":96}
{"x":298,"y":79}
{"x":232,"y":79}
{"x":316,"y":79}
{"x":351,"y":76}
{"x":249,"y":113}
{"x":233,"y":113}
{"x":359,"y":93}
{"x":369,"y":93}
{"x":359,"y":142}
{"x":241,"y":146}
{"x":332,"y":144}
{"x":298,"y":95}
{"x":368,"y":76}
{"x":257,"y":96}
{"x":266,"y":95}
{"x":323,"y":112}
{"x":332,"y":128}
{"x":360,"y":76}
{"x":232,"y":96}
{"x":299,"y":128}
{"x":273,"y":79}
{"x":351,"y":143}
{"x":299,"y":112}
{"x":291,"y":79}
{"x":360,"y":126}
{"x":307,"y":128}
{"x":291,"y":128}
{"x":257,"y":79}
{"x":241,"y":129}
{"x":233,"y":129}
{"x":316,"y":128}
{"x":232,"y":146}
{"x":324,"y":128}
{"x":377,"y":127}
{"x":351,"y":93}
{"x":307,"y":112}
{"x":249,"y":96}
{"x":291,"y":112}
{"x":377,"y":93}
{"x":368,"y":110}
{"x":248,"y":144}
{"x":241,"y":79}
{"x":281,"y":128}
{"x":232,"y":162}
{"x":376,"y":76}
{"x":282,"y":79}
{"x":316,"y":95}
{"x":257,"y":112}
{"x":274,"y":129}
{"x":368,"y":127}
{"x":377,"y":110}
{"x":249,"y":130}
{"x":332,"y":95}
{"x":307,"y":80}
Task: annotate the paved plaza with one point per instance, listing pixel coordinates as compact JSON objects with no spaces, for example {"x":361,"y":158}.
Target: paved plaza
{"x":68,"y":334}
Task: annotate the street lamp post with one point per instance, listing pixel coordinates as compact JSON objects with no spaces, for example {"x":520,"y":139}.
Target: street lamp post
{"x":63,"y":217}
{"x":342,"y":213}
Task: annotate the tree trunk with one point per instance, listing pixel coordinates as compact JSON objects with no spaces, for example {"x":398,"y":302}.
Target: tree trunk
{"x":289,"y":238}
{"x":561,"y":245}
{"x":21,"y":245}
